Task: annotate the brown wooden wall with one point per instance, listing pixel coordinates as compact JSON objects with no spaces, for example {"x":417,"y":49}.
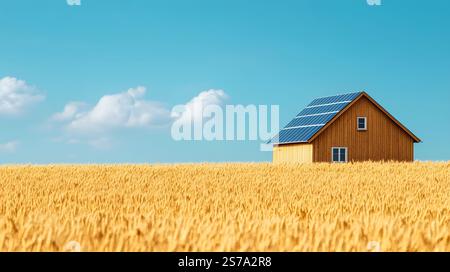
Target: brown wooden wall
{"x":383,"y":140}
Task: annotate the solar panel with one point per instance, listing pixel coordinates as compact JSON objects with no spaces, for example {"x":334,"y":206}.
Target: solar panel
{"x":311,"y":119}
{"x":296,"y":135}
{"x":334,"y":99}
{"x":327,"y":108}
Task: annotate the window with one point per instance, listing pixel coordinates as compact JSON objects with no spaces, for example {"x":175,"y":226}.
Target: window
{"x":362,"y":123}
{"x":339,"y":154}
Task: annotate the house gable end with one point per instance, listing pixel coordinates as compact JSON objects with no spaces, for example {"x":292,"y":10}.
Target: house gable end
{"x":384,"y":139}
{"x":364,"y":94}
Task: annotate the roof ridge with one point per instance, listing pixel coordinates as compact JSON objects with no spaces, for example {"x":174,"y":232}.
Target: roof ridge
{"x":360,"y":92}
{"x":307,"y":105}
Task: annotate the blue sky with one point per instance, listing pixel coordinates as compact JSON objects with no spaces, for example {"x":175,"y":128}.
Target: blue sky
{"x":256,"y":52}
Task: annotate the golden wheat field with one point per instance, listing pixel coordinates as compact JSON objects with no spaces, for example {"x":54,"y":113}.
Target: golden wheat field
{"x":226,"y":207}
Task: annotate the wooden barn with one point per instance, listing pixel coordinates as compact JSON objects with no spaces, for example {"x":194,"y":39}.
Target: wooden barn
{"x":344,"y":128}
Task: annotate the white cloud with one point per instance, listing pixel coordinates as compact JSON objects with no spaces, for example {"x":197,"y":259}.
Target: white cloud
{"x":9,"y":147}
{"x":123,"y":110}
{"x":71,"y":110}
{"x":16,"y":95}
{"x":92,"y":125}
{"x":193,"y":110}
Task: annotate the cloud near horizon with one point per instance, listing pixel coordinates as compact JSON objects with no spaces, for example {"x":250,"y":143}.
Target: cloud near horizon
{"x":16,"y":96}
{"x":121,"y":110}
{"x":193,"y":110}
{"x":127,"y":110}
{"x":130,"y":110}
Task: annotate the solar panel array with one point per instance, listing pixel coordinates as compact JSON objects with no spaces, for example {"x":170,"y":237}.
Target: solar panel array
{"x":311,"y":119}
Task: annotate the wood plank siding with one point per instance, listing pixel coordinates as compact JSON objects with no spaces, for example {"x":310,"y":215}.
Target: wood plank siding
{"x":383,"y":139}
{"x":302,"y":153}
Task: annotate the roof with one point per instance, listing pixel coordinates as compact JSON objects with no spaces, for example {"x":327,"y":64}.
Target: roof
{"x":319,"y":114}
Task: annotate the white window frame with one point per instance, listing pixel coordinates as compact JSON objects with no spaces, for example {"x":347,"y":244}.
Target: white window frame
{"x":339,"y":154}
{"x":365,"y":123}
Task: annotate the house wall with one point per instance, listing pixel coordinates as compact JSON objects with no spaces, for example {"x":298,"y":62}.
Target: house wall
{"x":383,"y":140}
{"x":300,"y":153}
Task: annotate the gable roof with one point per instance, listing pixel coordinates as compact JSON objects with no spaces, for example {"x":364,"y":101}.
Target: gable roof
{"x":320,"y":114}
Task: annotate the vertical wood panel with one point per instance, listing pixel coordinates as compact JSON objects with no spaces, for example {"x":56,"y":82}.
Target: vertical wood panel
{"x":383,"y":140}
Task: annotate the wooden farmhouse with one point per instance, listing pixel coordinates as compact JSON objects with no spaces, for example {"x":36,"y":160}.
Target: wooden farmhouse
{"x":344,"y":128}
